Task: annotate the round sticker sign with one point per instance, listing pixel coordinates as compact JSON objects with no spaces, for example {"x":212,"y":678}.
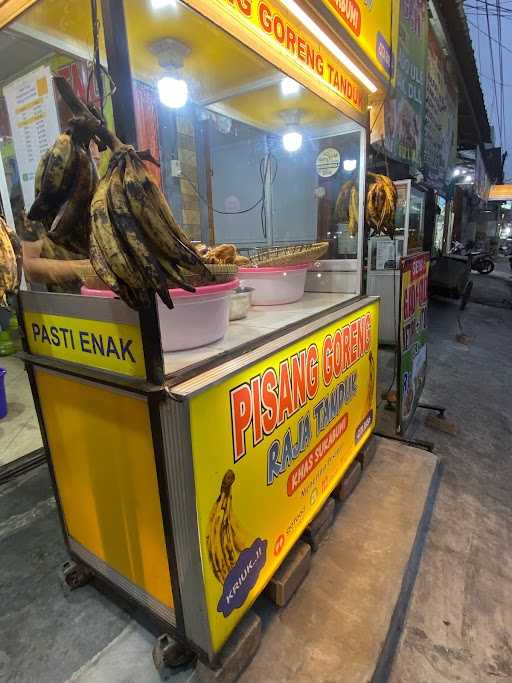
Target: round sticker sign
{"x":328,"y":162}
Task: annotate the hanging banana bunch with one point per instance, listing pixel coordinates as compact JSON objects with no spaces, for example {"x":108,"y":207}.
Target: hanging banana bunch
{"x":10,"y":262}
{"x":64,"y":185}
{"x":136,"y":246}
{"x":381,"y":201}
{"x":347,"y":206}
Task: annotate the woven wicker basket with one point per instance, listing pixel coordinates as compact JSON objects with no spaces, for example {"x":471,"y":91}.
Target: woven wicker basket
{"x":222,"y":272}
{"x":289,"y":256}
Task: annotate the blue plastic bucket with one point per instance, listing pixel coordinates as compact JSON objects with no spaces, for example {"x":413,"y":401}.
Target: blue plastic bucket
{"x":3,"y":395}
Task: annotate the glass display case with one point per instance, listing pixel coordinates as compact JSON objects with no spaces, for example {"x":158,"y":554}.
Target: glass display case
{"x":384,"y":256}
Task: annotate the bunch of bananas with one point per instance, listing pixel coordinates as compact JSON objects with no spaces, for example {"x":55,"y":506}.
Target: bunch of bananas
{"x":136,"y":246}
{"x":347,"y":206}
{"x":65,"y":183}
{"x":10,"y":262}
{"x":225,"y":540}
{"x":381,"y":200}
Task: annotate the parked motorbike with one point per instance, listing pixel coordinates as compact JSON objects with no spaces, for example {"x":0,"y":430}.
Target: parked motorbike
{"x":480,"y":261}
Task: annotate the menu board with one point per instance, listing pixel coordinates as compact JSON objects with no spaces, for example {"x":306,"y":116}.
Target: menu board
{"x":34,"y":123}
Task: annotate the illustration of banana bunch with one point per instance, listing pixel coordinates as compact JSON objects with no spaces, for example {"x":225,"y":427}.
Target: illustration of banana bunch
{"x":64,"y":184}
{"x":225,"y":539}
{"x":136,"y":245}
{"x":10,"y":262}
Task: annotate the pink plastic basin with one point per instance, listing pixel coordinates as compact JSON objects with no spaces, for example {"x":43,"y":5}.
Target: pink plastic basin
{"x":277,"y":285}
{"x":197,"y":319}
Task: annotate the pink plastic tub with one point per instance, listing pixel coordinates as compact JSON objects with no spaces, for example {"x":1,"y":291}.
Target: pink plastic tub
{"x":197,"y":319}
{"x":277,"y":285}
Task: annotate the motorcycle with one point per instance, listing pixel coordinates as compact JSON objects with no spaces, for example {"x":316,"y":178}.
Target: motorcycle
{"x":480,"y":261}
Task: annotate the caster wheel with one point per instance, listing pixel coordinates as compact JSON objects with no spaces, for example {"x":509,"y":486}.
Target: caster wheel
{"x":75,"y":575}
{"x":167,"y":652}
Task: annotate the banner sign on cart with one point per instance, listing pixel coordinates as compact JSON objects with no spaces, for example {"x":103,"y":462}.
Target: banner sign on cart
{"x":116,"y":347}
{"x":413,"y":336}
{"x":269,"y":24}
{"x":269,"y":445}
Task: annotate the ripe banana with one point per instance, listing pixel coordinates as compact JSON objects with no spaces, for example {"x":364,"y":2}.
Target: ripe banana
{"x":41,"y":167}
{"x":57,"y":177}
{"x":70,"y":227}
{"x":225,"y":540}
{"x":150,"y":208}
{"x":9,"y":276}
{"x":131,"y":234}
{"x":108,"y":240}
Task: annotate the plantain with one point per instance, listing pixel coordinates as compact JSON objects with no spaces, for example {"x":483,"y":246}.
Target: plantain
{"x":108,"y":240}
{"x":150,"y":208}
{"x":57,"y":177}
{"x":133,"y":238}
{"x":9,"y":278}
{"x":41,"y":167}
{"x":224,"y":540}
{"x":71,"y":226}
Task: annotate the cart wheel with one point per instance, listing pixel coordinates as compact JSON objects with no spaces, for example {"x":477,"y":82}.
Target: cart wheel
{"x":466,"y":295}
{"x":75,"y":575}
{"x":167,"y":652}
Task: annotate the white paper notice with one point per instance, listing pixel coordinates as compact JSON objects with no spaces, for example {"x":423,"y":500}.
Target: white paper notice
{"x":34,"y":123}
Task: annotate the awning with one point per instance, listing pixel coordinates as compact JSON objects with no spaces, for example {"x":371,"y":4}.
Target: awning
{"x":500,"y":193}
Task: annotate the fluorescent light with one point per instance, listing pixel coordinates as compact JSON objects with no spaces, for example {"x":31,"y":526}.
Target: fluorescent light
{"x":292,"y":141}
{"x":289,"y":86}
{"x":349,"y":165}
{"x":313,"y":27}
{"x":160,"y":4}
{"x":173,"y":92}
{"x":468,"y":179}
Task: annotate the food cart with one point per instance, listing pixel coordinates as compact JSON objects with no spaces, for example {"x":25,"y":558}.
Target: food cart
{"x":183,"y":478}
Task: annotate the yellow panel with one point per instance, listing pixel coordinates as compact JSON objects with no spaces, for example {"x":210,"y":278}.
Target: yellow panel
{"x":102,"y":452}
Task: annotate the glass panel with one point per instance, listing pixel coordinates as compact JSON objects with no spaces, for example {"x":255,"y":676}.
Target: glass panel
{"x":416,"y":222}
{"x":249,"y":157}
{"x":437,"y":246}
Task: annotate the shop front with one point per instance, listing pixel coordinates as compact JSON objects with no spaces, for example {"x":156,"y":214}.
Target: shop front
{"x":188,"y":451}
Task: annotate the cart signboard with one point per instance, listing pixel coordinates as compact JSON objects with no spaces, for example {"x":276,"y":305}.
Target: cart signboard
{"x":269,"y":444}
{"x":412,"y":351}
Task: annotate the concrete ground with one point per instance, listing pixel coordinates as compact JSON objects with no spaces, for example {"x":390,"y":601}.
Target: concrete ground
{"x":459,"y":623}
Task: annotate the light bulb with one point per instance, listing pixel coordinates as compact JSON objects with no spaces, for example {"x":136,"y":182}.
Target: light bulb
{"x":160,"y":4}
{"x":349,"y":165}
{"x":173,"y":92}
{"x":289,"y":86}
{"x":468,"y":179}
{"x":456,"y":172}
{"x":292,"y":141}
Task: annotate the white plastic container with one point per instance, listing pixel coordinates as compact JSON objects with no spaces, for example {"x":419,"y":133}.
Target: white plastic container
{"x":197,"y":319}
{"x":276,"y":285}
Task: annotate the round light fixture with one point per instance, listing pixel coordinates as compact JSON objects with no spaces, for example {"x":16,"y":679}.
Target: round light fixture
{"x":173,"y":92}
{"x":289,"y":86}
{"x":160,"y":4}
{"x":349,"y":165}
{"x":292,"y":141}
{"x":456,"y":172}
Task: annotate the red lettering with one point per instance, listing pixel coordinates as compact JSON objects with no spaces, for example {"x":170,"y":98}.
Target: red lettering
{"x":285,"y":393}
{"x":265,"y":17}
{"x":327,"y":360}
{"x":338,"y":353}
{"x":279,"y":31}
{"x":290,"y":39}
{"x":346,"y":348}
{"x":257,"y":434}
{"x":241,"y":414}
{"x":301,"y":48}
{"x":269,"y":400}
{"x":319,"y":65}
{"x":299,"y":379}
{"x":312,"y":369}
{"x":245,"y":7}
{"x":353,"y":339}
{"x":310,"y":57}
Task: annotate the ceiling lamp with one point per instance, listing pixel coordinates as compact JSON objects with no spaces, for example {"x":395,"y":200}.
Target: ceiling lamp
{"x":292,"y":137}
{"x":289,"y":86}
{"x":171,"y":54}
{"x":349,"y":165}
{"x":160,"y":4}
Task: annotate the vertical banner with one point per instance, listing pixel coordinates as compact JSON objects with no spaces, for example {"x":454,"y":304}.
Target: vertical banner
{"x":34,"y":123}
{"x":268,"y":446}
{"x":397,"y":125}
{"x":412,"y":351}
{"x":441,"y":108}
